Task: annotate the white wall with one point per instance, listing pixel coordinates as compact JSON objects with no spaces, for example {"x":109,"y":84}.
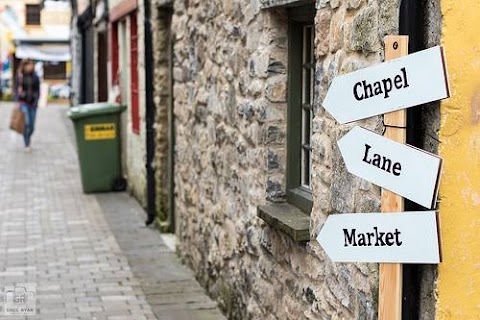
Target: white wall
{"x":134,"y":149}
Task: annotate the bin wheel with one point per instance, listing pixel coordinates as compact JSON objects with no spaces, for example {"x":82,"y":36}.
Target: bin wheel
{"x":119,"y":184}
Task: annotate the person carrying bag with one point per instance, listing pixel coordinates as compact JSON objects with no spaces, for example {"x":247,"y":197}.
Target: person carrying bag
{"x":28,"y":93}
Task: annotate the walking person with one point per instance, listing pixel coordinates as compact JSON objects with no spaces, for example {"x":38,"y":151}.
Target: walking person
{"x":28,"y":92}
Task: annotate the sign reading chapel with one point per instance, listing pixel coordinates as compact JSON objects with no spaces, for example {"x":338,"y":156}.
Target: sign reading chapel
{"x":397,"y":84}
{"x":410,"y":237}
{"x":403,"y":169}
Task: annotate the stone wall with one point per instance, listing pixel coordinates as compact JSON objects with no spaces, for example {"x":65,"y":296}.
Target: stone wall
{"x":230,"y":73}
{"x":161,"y":21}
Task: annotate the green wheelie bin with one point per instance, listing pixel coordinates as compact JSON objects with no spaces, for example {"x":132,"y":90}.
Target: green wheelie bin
{"x":97,"y":130}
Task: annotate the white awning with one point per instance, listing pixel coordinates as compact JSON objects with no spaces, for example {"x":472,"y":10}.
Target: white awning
{"x":46,"y":52}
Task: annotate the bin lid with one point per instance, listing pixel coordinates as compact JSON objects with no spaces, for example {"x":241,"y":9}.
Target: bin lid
{"x":93,"y":109}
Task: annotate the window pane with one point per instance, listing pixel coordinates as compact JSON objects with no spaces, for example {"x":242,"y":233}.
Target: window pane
{"x":54,"y":70}
{"x":307,"y":101}
{"x":307,"y":40}
{"x":306,"y":127}
{"x":32,"y":14}
{"x":306,"y":85}
{"x":306,"y":166}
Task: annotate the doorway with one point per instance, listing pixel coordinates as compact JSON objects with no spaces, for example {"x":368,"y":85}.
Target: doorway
{"x":121,"y":78}
{"x":102,"y":65}
{"x":87,"y":78}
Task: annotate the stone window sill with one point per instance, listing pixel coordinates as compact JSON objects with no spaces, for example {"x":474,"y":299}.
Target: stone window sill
{"x":286,"y":218}
{"x":266,"y":4}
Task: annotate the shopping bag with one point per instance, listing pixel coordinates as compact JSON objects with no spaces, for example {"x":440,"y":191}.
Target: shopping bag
{"x":17,"y":120}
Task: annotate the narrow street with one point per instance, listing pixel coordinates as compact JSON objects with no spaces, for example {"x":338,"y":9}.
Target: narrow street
{"x":278,"y":159}
{"x":88,"y":256}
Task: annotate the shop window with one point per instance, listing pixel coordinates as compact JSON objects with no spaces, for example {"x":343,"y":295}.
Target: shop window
{"x":55,"y":70}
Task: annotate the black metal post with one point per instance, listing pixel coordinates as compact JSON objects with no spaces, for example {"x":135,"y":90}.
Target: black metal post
{"x":150,"y":116}
{"x":411,"y":24}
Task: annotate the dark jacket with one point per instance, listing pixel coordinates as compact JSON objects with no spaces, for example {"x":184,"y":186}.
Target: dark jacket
{"x":30,"y":85}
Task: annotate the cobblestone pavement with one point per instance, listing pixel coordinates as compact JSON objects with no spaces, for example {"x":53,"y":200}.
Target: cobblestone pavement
{"x":57,"y":238}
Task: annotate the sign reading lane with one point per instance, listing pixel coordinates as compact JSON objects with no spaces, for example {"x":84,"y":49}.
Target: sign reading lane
{"x":397,"y":84}
{"x":410,"y":237}
{"x":403,"y":169}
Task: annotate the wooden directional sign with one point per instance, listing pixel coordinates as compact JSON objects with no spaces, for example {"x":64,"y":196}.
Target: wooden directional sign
{"x":401,"y":83}
{"x":410,"y":237}
{"x":403,"y":169}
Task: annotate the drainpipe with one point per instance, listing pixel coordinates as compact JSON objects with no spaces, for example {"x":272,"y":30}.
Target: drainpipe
{"x":73,"y":47}
{"x":412,"y":15}
{"x":149,"y":115}
{"x":411,"y":24}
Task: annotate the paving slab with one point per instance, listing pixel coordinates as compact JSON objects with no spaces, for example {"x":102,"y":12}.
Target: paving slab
{"x":86,"y":256}
{"x":169,"y":286}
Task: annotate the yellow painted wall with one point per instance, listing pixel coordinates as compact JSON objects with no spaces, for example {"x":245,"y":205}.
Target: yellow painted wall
{"x":459,"y":274}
